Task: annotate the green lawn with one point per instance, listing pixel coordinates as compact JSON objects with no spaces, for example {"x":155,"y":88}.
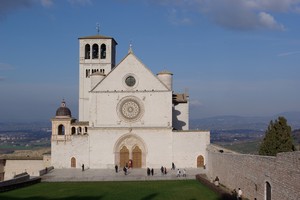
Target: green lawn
{"x":189,"y":189}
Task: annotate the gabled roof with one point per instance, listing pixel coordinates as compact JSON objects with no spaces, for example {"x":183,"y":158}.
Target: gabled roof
{"x":130,"y":53}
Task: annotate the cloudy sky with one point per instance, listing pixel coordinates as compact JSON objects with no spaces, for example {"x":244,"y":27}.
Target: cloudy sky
{"x":234,"y":57}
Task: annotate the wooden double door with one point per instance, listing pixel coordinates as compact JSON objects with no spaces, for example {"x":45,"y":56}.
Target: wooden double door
{"x":135,"y":158}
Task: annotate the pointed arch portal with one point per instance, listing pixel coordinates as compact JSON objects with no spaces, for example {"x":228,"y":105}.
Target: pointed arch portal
{"x":137,"y":157}
{"x":130,"y":148}
{"x":124,"y":156}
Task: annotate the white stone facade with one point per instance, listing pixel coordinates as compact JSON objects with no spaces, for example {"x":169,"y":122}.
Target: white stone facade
{"x":127,"y":116}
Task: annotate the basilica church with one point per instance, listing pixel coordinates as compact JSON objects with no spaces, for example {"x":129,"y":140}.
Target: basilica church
{"x":128,"y":116}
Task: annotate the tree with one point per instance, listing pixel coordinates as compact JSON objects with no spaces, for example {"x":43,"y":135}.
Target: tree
{"x":277,"y":138}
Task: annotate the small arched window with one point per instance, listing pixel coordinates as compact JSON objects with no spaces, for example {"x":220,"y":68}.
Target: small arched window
{"x":103,"y":51}
{"x":73,"y":130}
{"x":61,"y":130}
{"x":85,"y":129}
{"x":268,"y":191}
{"x":87,"y":51}
{"x":95,"y":51}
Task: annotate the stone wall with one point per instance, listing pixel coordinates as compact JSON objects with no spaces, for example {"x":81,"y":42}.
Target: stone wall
{"x":251,"y":173}
{"x":14,"y":167}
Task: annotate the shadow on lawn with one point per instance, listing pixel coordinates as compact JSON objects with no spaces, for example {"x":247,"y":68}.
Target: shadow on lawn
{"x":62,"y":198}
{"x":150,"y":196}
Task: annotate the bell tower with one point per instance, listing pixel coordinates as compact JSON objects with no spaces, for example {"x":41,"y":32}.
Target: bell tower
{"x":97,"y":53}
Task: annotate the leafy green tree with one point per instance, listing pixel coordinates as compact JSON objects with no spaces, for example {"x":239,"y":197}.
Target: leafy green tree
{"x":277,"y":138}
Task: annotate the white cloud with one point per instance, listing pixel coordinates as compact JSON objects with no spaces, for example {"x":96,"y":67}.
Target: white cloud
{"x":238,"y":14}
{"x":178,"y":18}
{"x":196,"y":103}
{"x":268,"y":21}
{"x":288,"y":53}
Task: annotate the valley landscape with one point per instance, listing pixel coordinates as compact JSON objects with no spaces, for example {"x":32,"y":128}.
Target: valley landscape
{"x":241,"y":134}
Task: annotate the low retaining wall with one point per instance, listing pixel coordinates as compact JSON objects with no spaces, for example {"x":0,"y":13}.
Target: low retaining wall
{"x":20,"y":180}
{"x":220,"y":190}
{"x":46,"y":170}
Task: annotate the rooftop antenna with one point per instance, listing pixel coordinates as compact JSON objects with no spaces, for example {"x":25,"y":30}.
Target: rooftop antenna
{"x":98,"y":28}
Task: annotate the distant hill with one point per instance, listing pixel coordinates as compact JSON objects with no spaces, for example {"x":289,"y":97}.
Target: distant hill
{"x":296,"y":136}
{"x":240,"y":122}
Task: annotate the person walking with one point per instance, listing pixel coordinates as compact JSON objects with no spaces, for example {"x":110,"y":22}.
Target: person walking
{"x":240,"y":194}
{"x":162,"y":170}
{"x":178,"y":173}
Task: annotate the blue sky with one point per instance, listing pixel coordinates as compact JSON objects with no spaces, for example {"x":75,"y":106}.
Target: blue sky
{"x":235,"y":57}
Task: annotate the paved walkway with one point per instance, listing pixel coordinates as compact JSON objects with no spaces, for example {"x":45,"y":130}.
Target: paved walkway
{"x":69,"y":175}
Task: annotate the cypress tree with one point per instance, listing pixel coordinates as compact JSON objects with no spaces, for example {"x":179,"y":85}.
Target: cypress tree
{"x":277,"y":138}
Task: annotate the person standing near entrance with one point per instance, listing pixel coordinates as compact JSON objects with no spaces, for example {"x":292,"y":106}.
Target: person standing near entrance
{"x":173,"y":166}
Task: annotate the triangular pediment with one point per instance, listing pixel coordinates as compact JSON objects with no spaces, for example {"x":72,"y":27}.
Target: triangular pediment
{"x":130,"y":66}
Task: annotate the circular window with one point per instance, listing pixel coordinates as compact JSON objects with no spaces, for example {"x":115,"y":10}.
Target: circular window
{"x":130,"y":81}
{"x":130,"y":109}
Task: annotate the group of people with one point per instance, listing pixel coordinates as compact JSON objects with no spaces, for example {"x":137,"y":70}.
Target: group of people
{"x":238,"y":194}
{"x":150,"y":171}
{"x":125,"y":169}
{"x":163,"y":170}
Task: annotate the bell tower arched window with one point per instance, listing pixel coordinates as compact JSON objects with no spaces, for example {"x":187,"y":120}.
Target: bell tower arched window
{"x":61,"y":130}
{"x":95,"y":51}
{"x":103,"y":51}
{"x":87,"y":51}
{"x":73,"y":130}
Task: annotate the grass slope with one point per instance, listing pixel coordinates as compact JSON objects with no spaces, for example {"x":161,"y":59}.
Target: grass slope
{"x":173,"y":190}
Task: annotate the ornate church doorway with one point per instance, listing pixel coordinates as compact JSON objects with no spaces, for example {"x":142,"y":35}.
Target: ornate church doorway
{"x":137,"y":157}
{"x":200,"y":161}
{"x":124,"y":156}
{"x":130,"y":149}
